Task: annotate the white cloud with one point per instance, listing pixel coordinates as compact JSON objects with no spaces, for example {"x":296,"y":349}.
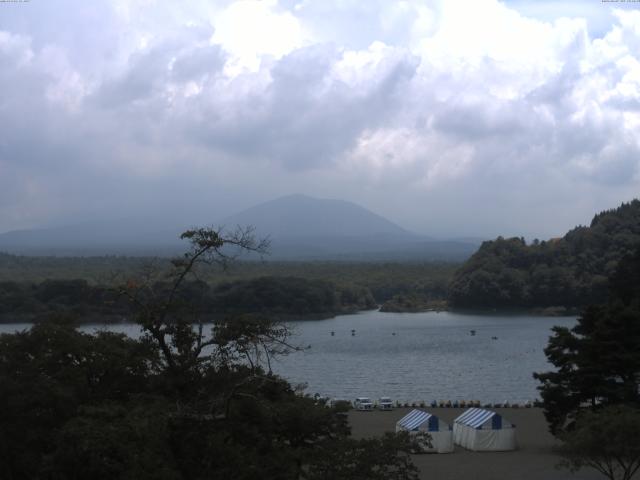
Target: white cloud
{"x":426,"y":97}
{"x":15,"y":48}
{"x":250,"y":29}
{"x":405,"y":157}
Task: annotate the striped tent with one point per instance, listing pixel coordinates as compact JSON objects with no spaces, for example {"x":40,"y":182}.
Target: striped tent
{"x":484,"y":431}
{"x":419,"y":424}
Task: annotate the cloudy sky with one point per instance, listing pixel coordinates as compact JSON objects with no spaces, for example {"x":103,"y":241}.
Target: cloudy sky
{"x":467,"y":117}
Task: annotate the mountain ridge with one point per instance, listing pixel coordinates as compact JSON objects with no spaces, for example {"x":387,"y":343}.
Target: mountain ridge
{"x":300,"y":215}
{"x":300,"y":227}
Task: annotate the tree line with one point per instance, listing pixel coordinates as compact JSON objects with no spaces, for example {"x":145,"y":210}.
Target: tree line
{"x":33,"y":286}
{"x":571,"y":271}
{"x":177,"y":403}
{"x":278,"y":296}
{"x":592,"y":397}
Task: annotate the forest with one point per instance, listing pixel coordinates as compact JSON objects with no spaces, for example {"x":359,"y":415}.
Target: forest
{"x":568,"y":272}
{"x":177,"y":403}
{"x":32,"y":286}
{"x":279,"y":297}
{"x":591,"y":395}
{"x":555,"y":276}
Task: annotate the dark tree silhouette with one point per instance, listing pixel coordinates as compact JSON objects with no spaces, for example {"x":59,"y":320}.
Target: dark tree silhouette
{"x":607,"y":440}
{"x":597,"y":361}
{"x":178,"y":403}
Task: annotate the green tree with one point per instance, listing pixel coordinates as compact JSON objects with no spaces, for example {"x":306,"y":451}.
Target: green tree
{"x":607,"y":440}
{"x":47,"y":374}
{"x":597,"y":361}
{"x":179,"y":403}
{"x":570,"y":271}
{"x":386,"y":458}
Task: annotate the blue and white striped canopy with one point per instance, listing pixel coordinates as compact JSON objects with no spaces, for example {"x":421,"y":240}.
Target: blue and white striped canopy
{"x":475,"y":417}
{"x":416,"y":418}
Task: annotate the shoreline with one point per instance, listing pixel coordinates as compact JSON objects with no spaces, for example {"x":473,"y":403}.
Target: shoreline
{"x":534,"y":458}
{"x":554,"y":311}
{"x":117,"y":319}
{"x":121,"y":319}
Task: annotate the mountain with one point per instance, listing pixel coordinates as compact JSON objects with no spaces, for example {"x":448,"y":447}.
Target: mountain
{"x":306,"y":228}
{"x":127,"y":237}
{"x":301,"y":216}
{"x":300,"y":228}
{"x":571,"y":271}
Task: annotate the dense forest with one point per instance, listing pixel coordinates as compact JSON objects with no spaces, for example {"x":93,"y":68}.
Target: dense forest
{"x":279,"y":297}
{"x":560,"y":275}
{"x":176,"y":403}
{"x":85,"y":286}
{"x":597,"y":361}
{"x":591,"y":395}
{"x":383,"y":279}
{"x":570,"y":272}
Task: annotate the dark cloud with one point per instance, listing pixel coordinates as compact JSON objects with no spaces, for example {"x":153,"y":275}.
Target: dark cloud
{"x":199,"y":62}
{"x":184,"y":56}
{"x":105,"y":112}
{"x":305,"y":118}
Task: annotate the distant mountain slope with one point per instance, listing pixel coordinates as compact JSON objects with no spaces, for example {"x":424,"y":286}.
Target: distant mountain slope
{"x":300,"y":216}
{"x":300,"y":227}
{"x":132,"y":237}
{"x":571,"y":271}
{"x":370,"y":249}
{"x":306,"y":228}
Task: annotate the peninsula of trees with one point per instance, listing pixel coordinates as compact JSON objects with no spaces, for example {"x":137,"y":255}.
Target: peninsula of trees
{"x":568,"y":272}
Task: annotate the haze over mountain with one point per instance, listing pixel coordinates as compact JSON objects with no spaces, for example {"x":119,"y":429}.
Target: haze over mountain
{"x":126,"y":236}
{"x":305,"y":216}
{"x":300,"y":227}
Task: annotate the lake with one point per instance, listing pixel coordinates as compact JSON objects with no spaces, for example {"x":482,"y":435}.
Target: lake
{"x":414,"y":356}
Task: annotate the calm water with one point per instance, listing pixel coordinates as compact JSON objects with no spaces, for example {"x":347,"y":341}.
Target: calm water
{"x":431,"y":356}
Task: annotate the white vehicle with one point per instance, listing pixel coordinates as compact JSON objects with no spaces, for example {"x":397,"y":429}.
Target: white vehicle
{"x":363,"y":403}
{"x":385,"y":403}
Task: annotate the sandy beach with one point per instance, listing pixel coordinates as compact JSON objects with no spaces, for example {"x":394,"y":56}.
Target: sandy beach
{"x":533,"y":460}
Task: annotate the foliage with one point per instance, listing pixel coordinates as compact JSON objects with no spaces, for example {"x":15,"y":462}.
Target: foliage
{"x":303,"y":290}
{"x":48,"y":373}
{"x":412,"y":302}
{"x":290,"y":296}
{"x":178,"y":403}
{"x":276,"y":296}
{"x":383,"y":280}
{"x":607,"y":440}
{"x":367,"y":459}
{"x":74,"y":297}
{"x":597,"y":361}
{"x":571,"y":271}
{"x":115,"y":440}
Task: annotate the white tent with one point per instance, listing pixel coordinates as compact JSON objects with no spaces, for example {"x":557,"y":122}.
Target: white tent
{"x":484,"y":431}
{"x":419,"y":423}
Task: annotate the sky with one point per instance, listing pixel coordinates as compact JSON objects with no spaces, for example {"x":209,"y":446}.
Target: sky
{"x":465,"y":118}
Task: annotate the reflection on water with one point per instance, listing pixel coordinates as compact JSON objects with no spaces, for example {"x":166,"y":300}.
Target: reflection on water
{"x":415,"y":356}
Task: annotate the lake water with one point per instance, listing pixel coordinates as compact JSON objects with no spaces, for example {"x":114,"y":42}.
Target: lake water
{"x":432,"y":356}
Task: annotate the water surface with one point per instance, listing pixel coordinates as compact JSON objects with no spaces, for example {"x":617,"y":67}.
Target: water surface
{"x":432,"y":356}
{"x":413,"y":356}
